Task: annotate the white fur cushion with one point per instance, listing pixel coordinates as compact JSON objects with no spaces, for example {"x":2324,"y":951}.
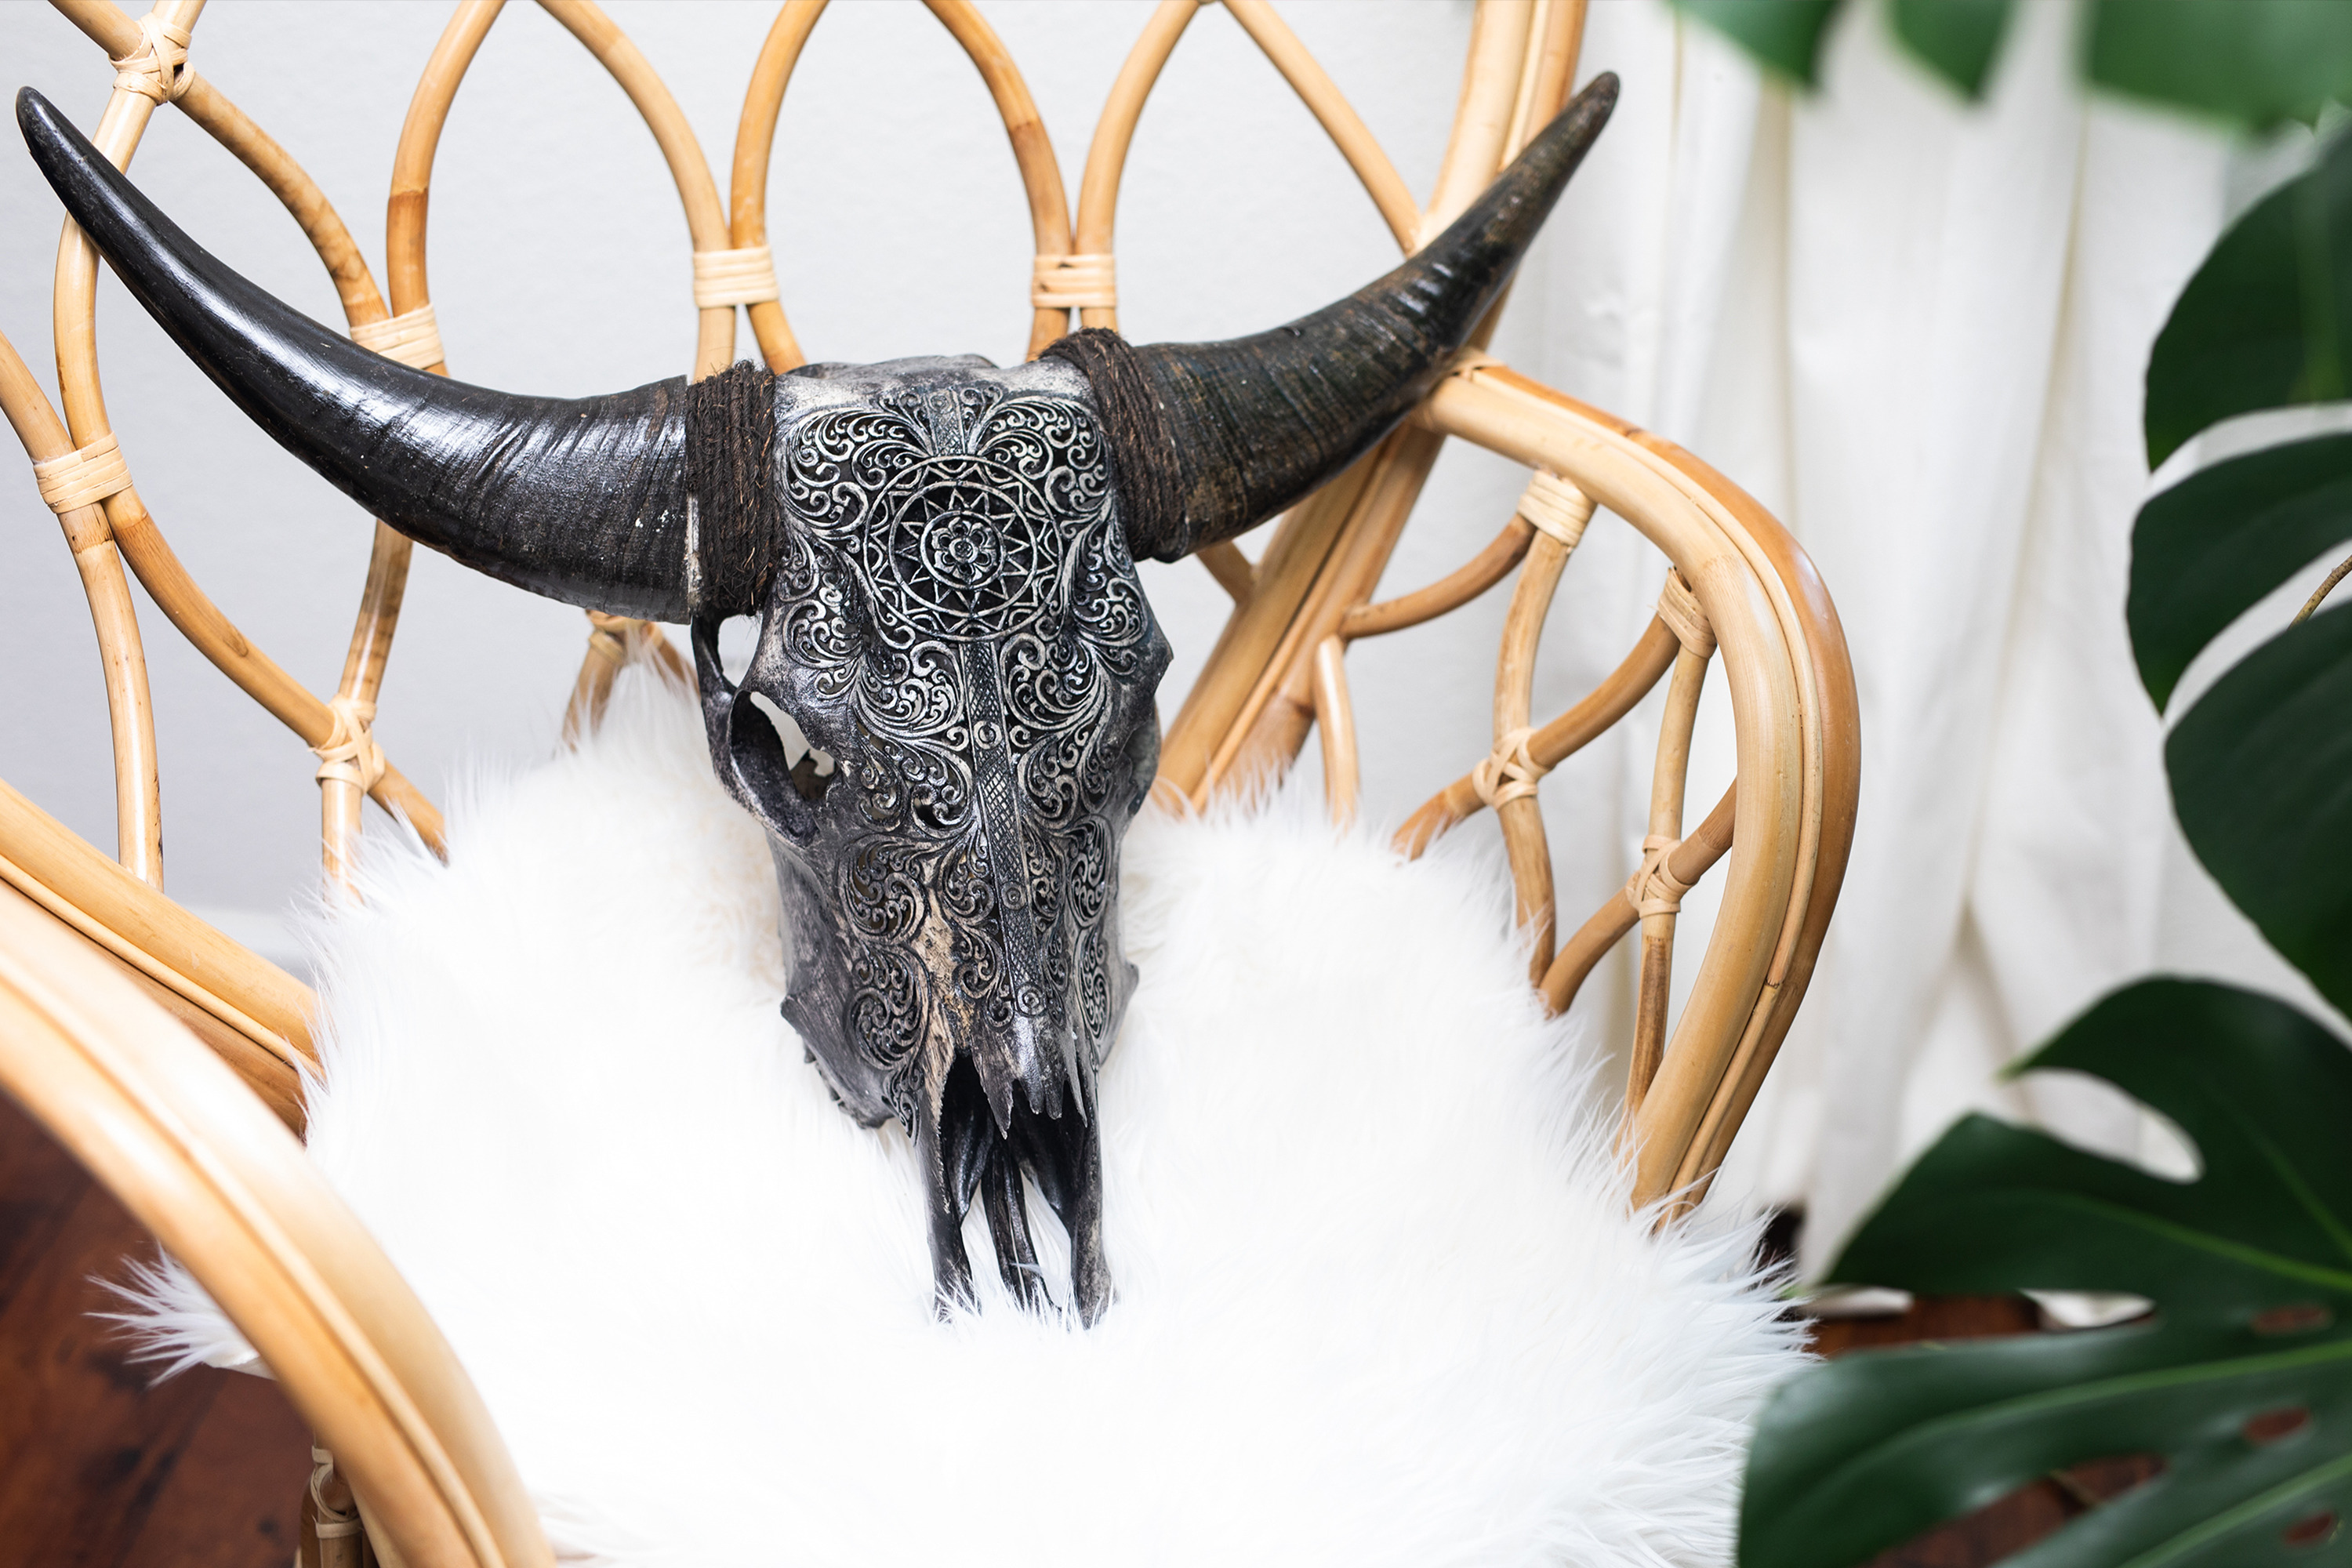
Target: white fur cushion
{"x":1379,"y":1298}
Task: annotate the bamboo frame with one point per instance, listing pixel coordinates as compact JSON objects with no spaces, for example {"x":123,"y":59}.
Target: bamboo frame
{"x":224,"y":1185}
{"x":1668,"y":777}
{"x":1451,"y":592}
{"x":1690,"y":861}
{"x":1245,"y":720}
{"x":123,"y":660}
{"x":109,"y":990}
{"x":1556,"y":741}
{"x":1248,"y":716}
{"x":55,"y":869}
{"x":130,"y":527}
{"x":1335,"y":719}
{"x":1522,"y":817}
{"x":1791,"y":687}
{"x":1033,"y":154}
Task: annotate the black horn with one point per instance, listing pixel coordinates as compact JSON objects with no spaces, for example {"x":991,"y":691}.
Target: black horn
{"x":1214,"y":439}
{"x":582,"y":500}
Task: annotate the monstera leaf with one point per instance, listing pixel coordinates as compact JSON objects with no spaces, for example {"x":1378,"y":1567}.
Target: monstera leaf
{"x":2259,"y":64}
{"x":2267,"y":319}
{"x":2256,"y":62}
{"x":1783,"y":35}
{"x":2258,"y":772}
{"x":2211,"y":547}
{"x":1958,"y":37}
{"x":2257,"y":765}
{"x":2241,"y":1379}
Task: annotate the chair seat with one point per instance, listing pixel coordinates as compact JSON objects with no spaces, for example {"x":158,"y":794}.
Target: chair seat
{"x":1379,"y":1298}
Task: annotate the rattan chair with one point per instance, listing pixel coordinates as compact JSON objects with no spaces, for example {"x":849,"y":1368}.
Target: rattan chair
{"x":168,"y":1058}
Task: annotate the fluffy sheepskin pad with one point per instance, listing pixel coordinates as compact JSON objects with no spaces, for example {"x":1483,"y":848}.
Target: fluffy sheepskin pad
{"x":1380,"y":1300}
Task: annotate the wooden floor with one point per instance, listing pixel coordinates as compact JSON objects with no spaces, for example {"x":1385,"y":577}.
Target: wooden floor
{"x":101,"y":1468}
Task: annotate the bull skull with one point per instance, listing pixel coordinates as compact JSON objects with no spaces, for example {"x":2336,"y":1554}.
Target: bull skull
{"x":941,"y":554}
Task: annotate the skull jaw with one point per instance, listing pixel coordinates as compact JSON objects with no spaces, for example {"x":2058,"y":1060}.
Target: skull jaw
{"x":977,"y":1133}
{"x":964,"y":1154}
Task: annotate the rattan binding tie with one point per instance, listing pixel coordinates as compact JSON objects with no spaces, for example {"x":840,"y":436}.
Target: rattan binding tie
{"x":1511,"y":774}
{"x":729,"y":277}
{"x":83,"y":477}
{"x":608,"y":637}
{"x":1464,"y":360}
{"x":1556,"y":507}
{"x":328,"y":1521}
{"x":413,"y":338}
{"x":1077,"y":283}
{"x":158,"y":68}
{"x":1678,"y":607}
{"x":348,"y":754}
{"x":1653,"y":891}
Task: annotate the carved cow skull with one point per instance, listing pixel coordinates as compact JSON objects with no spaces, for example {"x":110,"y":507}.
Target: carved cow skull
{"x":941,"y":556}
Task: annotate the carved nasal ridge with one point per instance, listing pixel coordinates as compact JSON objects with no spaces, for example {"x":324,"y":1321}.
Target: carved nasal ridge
{"x":731,"y":435}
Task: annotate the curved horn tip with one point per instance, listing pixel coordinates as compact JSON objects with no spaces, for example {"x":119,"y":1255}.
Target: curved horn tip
{"x":1249,"y":425}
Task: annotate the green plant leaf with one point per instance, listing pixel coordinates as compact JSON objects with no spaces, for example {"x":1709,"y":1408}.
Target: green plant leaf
{"x":2264,"y":322}
{"x":1784,"y":34}
{"x":2262,"y":781}
{"x":2249,"y":1267}
{"x":1957,"y":38}
{"x":2206,"y":551}
{"x":2255,"y":62}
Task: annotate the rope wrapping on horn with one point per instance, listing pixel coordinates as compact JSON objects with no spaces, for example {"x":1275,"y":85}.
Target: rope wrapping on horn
{"x":1144,"y":461}
{"x":734,"y":525}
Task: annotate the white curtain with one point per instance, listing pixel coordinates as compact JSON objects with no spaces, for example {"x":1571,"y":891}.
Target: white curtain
{"x":1915,"y":329}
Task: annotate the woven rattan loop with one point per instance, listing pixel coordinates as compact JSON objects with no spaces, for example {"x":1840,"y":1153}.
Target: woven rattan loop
{"x":348,"y":754}
{"x":413,"y":338}
{"x":158,"y":68}
{"x":1678,"y":607}
{"x":724,"y":277}
{"x":83,"y":477}
{"x":328,"y":1521}
{"x":1079,"y":282}
{"x":1653,"y":889}
{"x":1511,"y":772}
{"x":1556,"y":507}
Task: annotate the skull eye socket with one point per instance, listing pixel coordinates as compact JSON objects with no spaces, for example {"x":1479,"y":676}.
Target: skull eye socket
{"x":784,"y":775}
{"x":810,"y":767}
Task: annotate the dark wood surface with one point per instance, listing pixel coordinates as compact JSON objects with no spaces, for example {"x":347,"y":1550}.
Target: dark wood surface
{"x":2024,"y":1516}
{"x":100,"y":1466}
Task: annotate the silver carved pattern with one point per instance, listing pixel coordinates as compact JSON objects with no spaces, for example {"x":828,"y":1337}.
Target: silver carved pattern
{"x":957,"y":595}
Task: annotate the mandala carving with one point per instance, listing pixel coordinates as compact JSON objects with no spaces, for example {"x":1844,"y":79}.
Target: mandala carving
{"x":956,"y":621}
